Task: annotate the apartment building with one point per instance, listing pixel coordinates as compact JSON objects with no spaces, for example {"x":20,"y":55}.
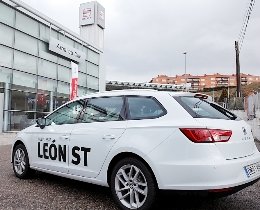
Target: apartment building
{"x":199,"y":82}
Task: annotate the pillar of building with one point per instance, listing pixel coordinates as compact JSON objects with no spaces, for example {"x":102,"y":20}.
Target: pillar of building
{"x":1,"y":111}
{"x":92,"y":23}
{"x":51,"y":101}
{"x":6,"y":106}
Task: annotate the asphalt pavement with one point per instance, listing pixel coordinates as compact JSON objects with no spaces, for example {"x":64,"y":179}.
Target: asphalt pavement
{"x":45,"y":191}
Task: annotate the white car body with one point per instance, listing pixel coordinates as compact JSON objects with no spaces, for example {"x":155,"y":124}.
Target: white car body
{"x":176,"y":162}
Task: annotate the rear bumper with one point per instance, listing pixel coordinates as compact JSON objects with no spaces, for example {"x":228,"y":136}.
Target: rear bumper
{"x":231,"y":190}
{"x":214,"y":175}
{"x":211,"y":193}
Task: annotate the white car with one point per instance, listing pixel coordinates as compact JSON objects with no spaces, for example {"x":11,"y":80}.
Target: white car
{"x":139,"y":141}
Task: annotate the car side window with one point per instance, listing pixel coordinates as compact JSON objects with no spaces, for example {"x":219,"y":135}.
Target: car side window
{"x":68,"y":114}
{"x":144,"y":108}
{"x":103,"y":109}
{"x":200,"y":108}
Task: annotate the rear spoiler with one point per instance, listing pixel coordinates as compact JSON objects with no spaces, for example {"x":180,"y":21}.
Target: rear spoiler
{"x":201,"y":96}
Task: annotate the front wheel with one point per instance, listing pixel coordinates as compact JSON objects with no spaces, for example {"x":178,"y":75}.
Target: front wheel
{"x":133,"y":185}
{"x":21,"y":162}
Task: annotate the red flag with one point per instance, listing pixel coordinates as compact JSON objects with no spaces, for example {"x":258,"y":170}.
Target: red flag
{"x":74,"y":81}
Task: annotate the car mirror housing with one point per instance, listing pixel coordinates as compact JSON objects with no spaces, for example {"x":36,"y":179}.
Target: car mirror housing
{"x":41,"y":122}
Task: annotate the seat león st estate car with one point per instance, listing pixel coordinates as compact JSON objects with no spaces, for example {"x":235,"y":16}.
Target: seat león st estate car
{"x":140,"y":141}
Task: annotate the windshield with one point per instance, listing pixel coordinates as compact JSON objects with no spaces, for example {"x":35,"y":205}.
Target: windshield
{"x":200,"y":108}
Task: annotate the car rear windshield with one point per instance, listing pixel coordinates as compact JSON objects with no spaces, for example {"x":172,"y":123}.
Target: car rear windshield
{"x":201,"y":108}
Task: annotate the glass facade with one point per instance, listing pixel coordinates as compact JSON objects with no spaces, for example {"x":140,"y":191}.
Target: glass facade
{"x":34,"y":79}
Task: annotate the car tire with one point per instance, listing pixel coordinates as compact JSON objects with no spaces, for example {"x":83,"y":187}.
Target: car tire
{"x":21,"y":164}
{"x":132,"y":185}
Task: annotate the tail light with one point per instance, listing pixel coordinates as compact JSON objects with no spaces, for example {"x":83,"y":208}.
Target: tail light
{"x":204,"y":135}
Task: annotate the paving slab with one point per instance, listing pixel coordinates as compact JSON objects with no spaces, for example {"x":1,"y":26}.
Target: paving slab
{"x":7,"y":138}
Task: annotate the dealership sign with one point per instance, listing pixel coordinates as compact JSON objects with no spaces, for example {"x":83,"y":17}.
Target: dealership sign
{"x":74,"y":81}
{"x":92,"y":13}
{"x":101,"y":15}
{"x":66,"y":50}
{"x":87,"y":13}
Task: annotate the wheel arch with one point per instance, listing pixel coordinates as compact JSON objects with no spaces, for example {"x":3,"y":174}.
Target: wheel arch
{"x":123,"y":155}
{"x":14,"y":145}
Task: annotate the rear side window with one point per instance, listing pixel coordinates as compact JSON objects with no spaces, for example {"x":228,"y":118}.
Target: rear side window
{"x":103,"y":109}
{"x":200,"y":108}
{"x":144,"y":108}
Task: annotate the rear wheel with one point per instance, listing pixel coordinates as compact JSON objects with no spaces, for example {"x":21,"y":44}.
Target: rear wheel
{"x":133,"y":185}
{"x":21,"y":165}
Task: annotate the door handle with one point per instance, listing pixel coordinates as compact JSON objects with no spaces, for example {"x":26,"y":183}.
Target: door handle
{"x":65,"y":137}
{"x":108,"y":137}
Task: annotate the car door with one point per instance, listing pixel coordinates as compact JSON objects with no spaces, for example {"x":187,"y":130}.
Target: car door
{"x":49,"y":145}
{"x":103,"y":123}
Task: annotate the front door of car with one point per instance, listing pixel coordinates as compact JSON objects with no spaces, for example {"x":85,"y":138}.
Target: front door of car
{"x":50,"y":145}
{"x":102,"y":124}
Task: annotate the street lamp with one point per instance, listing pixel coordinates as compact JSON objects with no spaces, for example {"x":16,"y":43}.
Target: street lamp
{"x":185,"y":55}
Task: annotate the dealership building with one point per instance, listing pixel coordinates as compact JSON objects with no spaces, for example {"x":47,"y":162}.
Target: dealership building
{"x":36,"y":58}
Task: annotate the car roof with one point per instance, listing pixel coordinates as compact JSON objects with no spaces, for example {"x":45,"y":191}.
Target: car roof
{"x":139,"y":92}
{"x":144,"y":92}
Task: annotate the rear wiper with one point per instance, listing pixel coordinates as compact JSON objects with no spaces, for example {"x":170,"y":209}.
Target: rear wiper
{"x":230,"y":115}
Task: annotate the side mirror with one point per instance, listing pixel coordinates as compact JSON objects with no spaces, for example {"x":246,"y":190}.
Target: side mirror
{"x":41,"y":122}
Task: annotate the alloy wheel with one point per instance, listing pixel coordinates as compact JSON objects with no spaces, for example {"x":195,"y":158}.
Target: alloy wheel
{"x":131,"y":186}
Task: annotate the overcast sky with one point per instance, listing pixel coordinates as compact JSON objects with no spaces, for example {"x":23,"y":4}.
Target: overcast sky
{"x":145,"y":38}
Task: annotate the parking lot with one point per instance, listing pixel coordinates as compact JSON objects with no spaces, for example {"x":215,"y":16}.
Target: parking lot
{"x":45,"y":191}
